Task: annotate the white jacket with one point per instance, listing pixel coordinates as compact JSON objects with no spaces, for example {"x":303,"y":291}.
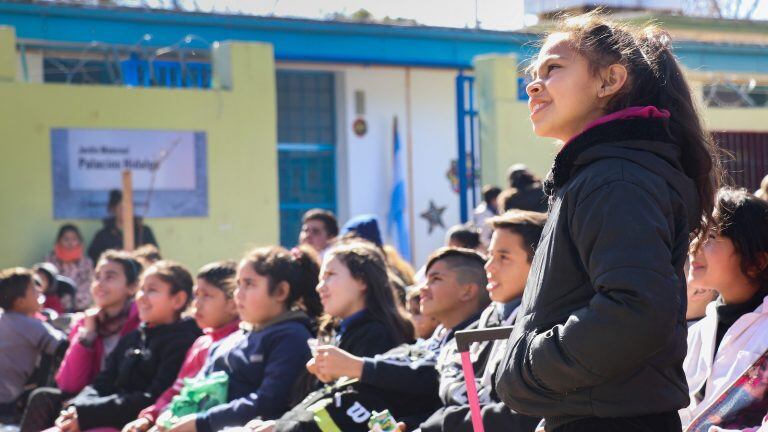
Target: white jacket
{"x":742,"y":345}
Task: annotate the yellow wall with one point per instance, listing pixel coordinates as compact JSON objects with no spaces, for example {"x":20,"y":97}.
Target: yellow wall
{"x":239,"y":119}
{"x":507,"y":136}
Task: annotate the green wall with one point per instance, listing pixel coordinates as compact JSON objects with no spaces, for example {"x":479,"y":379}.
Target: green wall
{"x":238,"y":115}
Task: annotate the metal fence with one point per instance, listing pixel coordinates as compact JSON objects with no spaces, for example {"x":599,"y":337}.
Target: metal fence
{"x":747,"y":162}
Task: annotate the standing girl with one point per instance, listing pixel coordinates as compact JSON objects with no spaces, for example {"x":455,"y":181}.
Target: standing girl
{"x":599,"y":341}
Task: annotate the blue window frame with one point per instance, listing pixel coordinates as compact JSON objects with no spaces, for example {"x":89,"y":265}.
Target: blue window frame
{"x":306,"y":147}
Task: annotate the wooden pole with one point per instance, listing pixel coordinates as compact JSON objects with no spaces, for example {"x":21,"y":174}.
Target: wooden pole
{"x":129,"y":242}
{"x":410,"y":181}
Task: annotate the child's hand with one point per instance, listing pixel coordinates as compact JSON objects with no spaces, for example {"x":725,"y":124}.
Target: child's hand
{"x":311,"y":366}
{"x":334,"y":363}
{"x":89,"y":321}
{"x":264,"y":426}
{"x":139,"y":425}
{"x":67,"y":421}
{"x":185,"y":424}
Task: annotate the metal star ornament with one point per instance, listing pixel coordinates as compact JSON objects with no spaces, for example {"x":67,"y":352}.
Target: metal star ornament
{"x":434,"y":216}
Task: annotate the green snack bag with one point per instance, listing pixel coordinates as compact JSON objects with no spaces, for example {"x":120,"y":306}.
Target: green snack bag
{"x":197,"y":395}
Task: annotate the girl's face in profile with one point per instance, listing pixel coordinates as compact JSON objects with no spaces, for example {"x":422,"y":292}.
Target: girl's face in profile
{"x":717,"y":265}
{"x":563,"y":96}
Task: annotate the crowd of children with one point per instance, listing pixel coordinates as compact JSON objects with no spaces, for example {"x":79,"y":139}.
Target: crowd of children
{"x":589,"y":267}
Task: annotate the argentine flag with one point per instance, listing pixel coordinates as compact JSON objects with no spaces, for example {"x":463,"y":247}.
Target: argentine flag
{"x":397,"y":221}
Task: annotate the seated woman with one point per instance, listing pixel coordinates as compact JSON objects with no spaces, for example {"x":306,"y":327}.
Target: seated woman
{"x":68,"y":256}
{"x":733,"y":335}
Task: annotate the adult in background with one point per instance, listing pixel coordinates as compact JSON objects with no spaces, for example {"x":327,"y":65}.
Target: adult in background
{"x":111,"y":235}
{"x":319,"y":228}
{"x":485,"y":210}
{"x":69,"y":258}
{"x":525,"y":191}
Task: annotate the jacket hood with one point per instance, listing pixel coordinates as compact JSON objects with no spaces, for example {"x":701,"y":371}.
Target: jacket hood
{"x":185,"y":326}
{"x":293,"y":315}
{"x":645,"y":142}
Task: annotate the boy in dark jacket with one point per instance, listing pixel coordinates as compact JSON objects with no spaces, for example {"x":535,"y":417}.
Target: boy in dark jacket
{"x":513,"y":241}
{"x":146,"y":361}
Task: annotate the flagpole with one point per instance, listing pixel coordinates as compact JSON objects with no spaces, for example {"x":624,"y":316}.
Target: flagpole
{"x":409,"y":152}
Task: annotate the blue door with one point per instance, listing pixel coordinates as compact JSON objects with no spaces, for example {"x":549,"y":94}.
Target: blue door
{"x":306,"y":147}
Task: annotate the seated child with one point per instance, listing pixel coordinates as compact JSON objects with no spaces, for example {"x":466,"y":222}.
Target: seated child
{"x":405,"y":379}
{"x":354,"y":288}
{"x":514,"y":238}
{"x":96,"y":333}
{"x":275,"y":292}
{"x":59,"y":291}
{"x":216,"y":313}
{"x":733,"y":335}
{"x":23,"y":338}
{"x":93,"y":337}
{"x":146,"y":361}
{"x":423,"y":325}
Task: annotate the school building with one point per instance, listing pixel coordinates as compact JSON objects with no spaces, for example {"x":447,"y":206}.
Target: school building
{"x":235,"y":125}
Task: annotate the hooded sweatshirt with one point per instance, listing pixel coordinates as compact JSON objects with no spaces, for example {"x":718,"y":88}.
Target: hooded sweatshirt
{"x":262,"y":364}
{"x":144,"y":364}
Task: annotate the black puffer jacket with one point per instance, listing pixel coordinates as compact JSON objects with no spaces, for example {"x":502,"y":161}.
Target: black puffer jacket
{"x":144,"y":364}
{"x":602,"y":330}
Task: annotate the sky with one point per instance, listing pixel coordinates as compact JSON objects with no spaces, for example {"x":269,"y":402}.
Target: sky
{"x":492,"y":14}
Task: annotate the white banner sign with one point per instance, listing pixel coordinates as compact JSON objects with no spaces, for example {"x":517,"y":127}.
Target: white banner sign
{"x":97,"y":158}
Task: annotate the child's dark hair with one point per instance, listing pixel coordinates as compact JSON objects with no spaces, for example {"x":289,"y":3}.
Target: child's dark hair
{"x":467,"y":264}
{"x":324,"y":216}
{"x":654,"y":78}
{"x":131,"y":266}
{"x":367,"y":264}
{"x":221,"y":274}
{"x":490,"y":193}
{"x":147,"y":254}
{"x":525,"y":223}
{"x":743,"y":218}
{"x":175,"y":275}
{"x":13,"y":285}
{"x":68,"y":227}
{"x":465,"y":236}
{"x":298,"y":267}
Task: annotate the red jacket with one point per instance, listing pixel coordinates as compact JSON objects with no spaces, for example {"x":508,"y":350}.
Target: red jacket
{"x":81,"y":364}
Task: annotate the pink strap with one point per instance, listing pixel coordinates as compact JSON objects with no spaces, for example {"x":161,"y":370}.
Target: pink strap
{"x":474,"y":402}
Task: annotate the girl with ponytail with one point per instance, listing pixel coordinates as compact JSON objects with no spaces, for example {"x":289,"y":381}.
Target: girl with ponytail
{"x":278,"y":306}
{"x":600,"y":338}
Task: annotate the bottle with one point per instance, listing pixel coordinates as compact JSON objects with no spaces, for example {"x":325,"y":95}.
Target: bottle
{"x":382,"y":422}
